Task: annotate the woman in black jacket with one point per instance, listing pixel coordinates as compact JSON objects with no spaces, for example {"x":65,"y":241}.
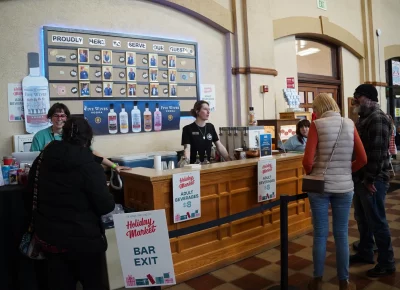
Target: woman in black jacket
{"x":72,"y":196}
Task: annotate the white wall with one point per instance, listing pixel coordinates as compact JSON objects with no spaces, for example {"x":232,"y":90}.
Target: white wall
{"x":286,"y":65}
{"x":351,"y":76}
{"x":20,"y":25}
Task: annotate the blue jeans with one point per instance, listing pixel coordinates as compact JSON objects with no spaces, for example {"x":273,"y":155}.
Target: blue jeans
{"x":340,"y":204}
{"x":370,"y":214}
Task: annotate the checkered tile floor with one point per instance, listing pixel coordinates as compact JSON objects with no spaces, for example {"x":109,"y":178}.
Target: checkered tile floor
{"x":263,"y":271}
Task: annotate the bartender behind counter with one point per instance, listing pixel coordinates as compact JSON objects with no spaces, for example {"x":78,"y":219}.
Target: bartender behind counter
{"x":199,"y":136}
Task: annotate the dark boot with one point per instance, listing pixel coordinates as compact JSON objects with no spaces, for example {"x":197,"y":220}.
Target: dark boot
{"x":315,"y":284}
{"x":346,"y":285}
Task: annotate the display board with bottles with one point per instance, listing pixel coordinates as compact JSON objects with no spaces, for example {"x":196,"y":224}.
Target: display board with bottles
{"x":131,"y":116}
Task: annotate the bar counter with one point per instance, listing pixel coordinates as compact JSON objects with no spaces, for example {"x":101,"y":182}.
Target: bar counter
{"x":226,"y":188}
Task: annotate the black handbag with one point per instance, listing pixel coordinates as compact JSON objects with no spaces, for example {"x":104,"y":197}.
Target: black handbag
{"x":316,"y":183}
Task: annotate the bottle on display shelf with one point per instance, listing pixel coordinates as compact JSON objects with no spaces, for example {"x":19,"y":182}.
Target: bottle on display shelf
{"x":123,"y":120}
{"x":252,"y":117}
{"x":136,"y":118}
{"x":112,"y":121}
{"x":157,"y":119}
{"x":147,"y":119}
{"x":35,"y":96}
{"x":197,"y":158}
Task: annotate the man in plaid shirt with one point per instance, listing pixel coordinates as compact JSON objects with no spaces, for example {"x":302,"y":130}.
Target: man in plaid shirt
{"x":371,"y":184}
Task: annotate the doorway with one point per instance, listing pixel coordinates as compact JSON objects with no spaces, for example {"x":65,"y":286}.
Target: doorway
{"x":318,"y":71}
{"x":308,"y":92}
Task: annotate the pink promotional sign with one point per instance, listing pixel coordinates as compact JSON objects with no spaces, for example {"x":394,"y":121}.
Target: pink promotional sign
{"x":290,"y":83}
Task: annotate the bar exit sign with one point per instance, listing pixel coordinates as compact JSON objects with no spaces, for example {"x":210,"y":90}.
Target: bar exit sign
{"x":322,"y":4}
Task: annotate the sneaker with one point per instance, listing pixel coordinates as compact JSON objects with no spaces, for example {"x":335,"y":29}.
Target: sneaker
{"x":355,"y":259}
{"x":379,"y":271}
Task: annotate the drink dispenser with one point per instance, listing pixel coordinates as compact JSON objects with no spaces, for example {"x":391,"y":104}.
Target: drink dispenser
{"x":236,"y":137}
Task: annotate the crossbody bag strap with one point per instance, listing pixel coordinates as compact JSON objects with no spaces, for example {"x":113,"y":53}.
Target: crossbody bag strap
{"x":35,"y":189}
{"x":334,"y":146}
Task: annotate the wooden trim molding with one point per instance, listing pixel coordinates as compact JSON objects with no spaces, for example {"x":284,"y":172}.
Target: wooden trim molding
{"x":377,"y":84}
{"x":318,"y":27}
{"x":318,"y":79}
{"x":392,"y":51}
{"x":254,"y":70}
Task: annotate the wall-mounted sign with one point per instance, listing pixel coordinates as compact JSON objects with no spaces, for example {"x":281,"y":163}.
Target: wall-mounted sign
{"x":15,"y":102}
{"x":67,"y":39}
{"x":144,"y":249}
{"x":130,"y":116}
{"x":207,"y":93}
{"x":290,"y":83}
{"x":322,"y":4}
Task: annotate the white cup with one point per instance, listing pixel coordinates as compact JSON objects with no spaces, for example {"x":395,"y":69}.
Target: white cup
{"x":157,"y":163}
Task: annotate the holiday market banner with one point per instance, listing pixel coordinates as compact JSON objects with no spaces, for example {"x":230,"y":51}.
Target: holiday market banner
{"x":144,"y":249}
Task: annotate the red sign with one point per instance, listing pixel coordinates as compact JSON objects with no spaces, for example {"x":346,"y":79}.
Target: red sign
{"x":290,"y":83}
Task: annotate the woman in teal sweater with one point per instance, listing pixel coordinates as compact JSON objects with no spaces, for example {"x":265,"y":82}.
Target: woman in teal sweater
{"x":58,"y":115}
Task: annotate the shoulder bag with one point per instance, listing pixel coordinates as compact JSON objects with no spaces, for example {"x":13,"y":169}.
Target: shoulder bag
{"x":30,"y":246}
{"x":316,"y":183}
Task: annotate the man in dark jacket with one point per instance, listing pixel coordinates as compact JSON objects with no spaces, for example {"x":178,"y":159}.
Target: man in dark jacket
{"x":371,"y":184}
{"x":72,"y":196}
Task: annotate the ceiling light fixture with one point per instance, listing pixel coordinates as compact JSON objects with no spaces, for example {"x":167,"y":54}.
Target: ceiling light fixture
{"x":308,"y":51}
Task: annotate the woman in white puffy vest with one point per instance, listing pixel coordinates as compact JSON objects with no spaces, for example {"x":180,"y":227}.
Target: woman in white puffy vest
{"x":327,"y":130}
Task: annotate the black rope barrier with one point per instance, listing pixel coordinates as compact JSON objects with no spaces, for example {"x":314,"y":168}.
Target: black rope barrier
{"x":223,"y":220}
{"x":232,"y":218}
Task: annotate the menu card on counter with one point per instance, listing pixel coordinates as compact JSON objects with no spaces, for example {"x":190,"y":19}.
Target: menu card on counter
{"x":265,"y":145}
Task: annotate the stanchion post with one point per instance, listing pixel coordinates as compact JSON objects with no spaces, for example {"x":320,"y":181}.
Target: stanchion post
{"x":284,"y":198}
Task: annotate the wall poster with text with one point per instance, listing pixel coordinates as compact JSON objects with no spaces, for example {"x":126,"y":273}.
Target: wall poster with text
{"x":130,"y":116}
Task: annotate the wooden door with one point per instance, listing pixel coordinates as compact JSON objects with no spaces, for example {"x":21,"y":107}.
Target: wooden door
{"x":309,"y":91}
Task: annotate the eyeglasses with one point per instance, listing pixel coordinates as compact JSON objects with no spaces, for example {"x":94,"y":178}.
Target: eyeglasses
{"x":57,"y":116}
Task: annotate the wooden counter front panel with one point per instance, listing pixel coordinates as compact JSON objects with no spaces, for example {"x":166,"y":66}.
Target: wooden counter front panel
{"x":222,"y":194}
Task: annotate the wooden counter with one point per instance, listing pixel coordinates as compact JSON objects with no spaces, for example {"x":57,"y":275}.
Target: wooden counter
{"x":226,"y":188}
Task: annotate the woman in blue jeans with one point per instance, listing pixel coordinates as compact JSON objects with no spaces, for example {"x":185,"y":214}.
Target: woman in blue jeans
{"x":320,"y":158}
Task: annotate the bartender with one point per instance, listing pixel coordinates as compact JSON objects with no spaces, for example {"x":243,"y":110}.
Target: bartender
{"x":199,"y":136}
{"x":58,"y":114}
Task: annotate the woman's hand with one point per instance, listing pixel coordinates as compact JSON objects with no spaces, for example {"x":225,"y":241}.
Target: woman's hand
{"x":120,"y":168}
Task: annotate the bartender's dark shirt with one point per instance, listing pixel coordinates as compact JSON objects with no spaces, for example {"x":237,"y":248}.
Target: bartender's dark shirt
{"x":193,"y":135}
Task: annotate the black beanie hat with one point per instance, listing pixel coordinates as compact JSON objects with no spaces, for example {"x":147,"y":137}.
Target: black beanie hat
{"x":367,"y":90}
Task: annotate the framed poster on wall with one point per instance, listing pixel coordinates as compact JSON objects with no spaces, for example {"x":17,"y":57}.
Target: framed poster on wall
{"x":84,"y":65}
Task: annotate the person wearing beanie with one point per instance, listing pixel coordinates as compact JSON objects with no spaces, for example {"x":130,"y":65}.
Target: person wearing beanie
{"x":371,"y":183}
